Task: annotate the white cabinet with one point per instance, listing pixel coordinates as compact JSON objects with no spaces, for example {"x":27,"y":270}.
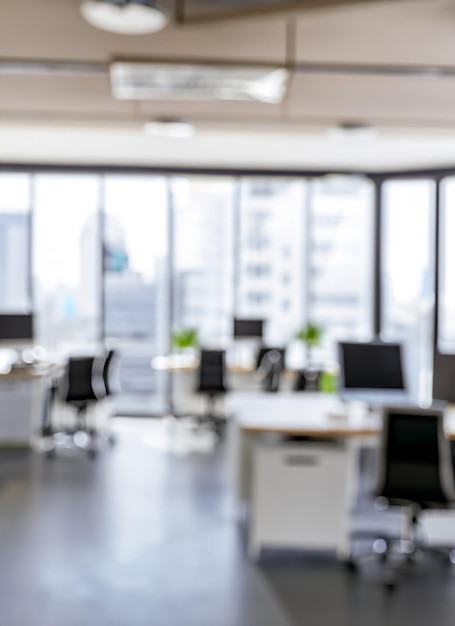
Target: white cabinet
{"x":299,"y":496}
{"x":21,"y":406}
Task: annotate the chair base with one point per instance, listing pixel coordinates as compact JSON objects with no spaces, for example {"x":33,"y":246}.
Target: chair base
{"x":397,"y":563}
{"x":211,"y":418}
{"x":82,"y":435}
{"x":216,"y":422}
{"x":89,"y":441}
{"x":397,"y":554}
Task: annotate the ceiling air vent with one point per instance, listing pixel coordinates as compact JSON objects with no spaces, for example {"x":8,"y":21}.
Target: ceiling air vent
{"x":197,"y":82}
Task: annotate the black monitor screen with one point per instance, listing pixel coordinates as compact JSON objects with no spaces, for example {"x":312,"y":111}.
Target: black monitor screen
{"x":16,"y":327}
{"x":371,"y":366}
{"x":248,"y":328}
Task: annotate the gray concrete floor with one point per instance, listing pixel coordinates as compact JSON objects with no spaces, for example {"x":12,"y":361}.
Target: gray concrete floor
{"x":144,"y":535}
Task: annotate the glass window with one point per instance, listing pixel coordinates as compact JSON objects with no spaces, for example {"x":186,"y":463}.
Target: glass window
{"x":446,"y":339}
{"x":272,"y":240}
{"x":203,"y":256}
{"x":66,"y":258}
{"x":408,"y":271}
{"x":340,"y":259}
{"x":135,"y":252}
{"x":15,"y":243}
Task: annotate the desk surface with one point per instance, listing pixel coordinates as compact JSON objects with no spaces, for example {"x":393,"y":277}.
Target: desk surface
{"x":29,"y":373}
{"x":190,"y":363}
{"x":308,"y":414}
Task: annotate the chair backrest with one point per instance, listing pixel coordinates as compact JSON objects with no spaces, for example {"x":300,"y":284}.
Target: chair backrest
{"x":271,"y":365}
{"x":77,"y":384}
{"x":212,"y":370}
{"x":415,"y":461}
{"x":307,"y":380}
{"x":264,"y":350}
{"x":109,"y":373}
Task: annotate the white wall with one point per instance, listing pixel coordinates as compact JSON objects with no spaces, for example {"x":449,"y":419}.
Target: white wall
{"x":390,"y":150}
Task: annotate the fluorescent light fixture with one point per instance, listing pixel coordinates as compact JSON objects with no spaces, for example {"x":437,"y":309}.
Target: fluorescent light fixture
{"x":125,"y":17}
{"x":351,"y":133}
{"x":169,"y":128}
{"x":197,"y":82}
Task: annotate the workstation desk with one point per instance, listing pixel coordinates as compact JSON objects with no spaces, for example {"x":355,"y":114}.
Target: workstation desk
{"x":300,"y":492}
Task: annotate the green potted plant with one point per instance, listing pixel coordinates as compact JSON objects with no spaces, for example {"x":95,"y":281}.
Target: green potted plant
{"x":309,"y":377}
{"x":311,"y":335}
{"x":185,"y":338}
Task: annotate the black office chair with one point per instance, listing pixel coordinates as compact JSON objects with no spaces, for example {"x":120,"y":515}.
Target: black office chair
{"x":270,"y":364}
{"x":415,"y":473}
{"x":307,"y":380}
{"x":81,"y":386}
{"x":211,"y":382}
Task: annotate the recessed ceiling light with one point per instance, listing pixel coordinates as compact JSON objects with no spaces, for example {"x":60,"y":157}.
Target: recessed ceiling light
{"x":125,"y":17}
{"x":352,"y":132}
{"x":169,"y":128}
{"x":144,"y":80}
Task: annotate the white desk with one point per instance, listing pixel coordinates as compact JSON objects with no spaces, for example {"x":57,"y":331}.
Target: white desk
{"x":283,"y":483}
{"x":184,"y":367}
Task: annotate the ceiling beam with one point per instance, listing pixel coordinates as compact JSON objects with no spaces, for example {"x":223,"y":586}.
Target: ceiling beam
{"x":34,"y":67}
{"x":179,"y":11}
{"x":30,"y":67}
{"x":184,"y":17}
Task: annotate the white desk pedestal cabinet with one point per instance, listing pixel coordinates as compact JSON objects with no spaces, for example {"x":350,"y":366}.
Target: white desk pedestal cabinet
{"x":21,"y":405}
{"x":299,"y":496}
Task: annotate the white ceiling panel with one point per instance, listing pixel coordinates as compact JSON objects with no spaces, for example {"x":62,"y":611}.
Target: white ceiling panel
{"x":200,"y":111}
{"x":55,"y":29}
{"x":60,"y":94}
{"x":371,"y":98}
{"x":409,"y":32}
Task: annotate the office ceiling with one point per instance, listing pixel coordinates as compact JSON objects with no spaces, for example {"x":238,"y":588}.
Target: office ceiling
{"x":325,"y":47}
{"x":390,"y":65}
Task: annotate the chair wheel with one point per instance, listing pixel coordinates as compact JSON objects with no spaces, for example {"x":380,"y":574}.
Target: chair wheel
{"x":51,"y":454}
{"x":112,"y":440}
{"x":92,"y":453}
{"x":390,"y":582}
{"x":351,"y":566}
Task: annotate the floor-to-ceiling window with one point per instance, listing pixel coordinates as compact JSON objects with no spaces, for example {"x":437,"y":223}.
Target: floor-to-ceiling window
{"x":66,"y":259}
{"x":127,"y":259}
{"x":446,"y":338}
{"x":15,"y":205}
{"x":408,"y":275}
{"x":136,"y":276}
{"x":340,"y":260}
{"x":203,"y":257}
{"x":271,"y":277}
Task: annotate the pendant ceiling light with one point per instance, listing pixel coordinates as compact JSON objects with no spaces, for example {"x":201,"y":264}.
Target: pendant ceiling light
{"x":126,"y":17}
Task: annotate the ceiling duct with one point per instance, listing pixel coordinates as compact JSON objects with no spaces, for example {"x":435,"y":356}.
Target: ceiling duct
{"x":143,"y":80}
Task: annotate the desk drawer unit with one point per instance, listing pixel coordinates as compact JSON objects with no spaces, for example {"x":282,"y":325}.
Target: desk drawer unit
{"x":299,"y":496}
{"x":20,"y":406}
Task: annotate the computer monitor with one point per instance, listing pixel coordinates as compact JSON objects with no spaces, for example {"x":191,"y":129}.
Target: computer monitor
{"x":371,"y":367}
{"x":248,"y":328}
{"x":16,"y":327}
